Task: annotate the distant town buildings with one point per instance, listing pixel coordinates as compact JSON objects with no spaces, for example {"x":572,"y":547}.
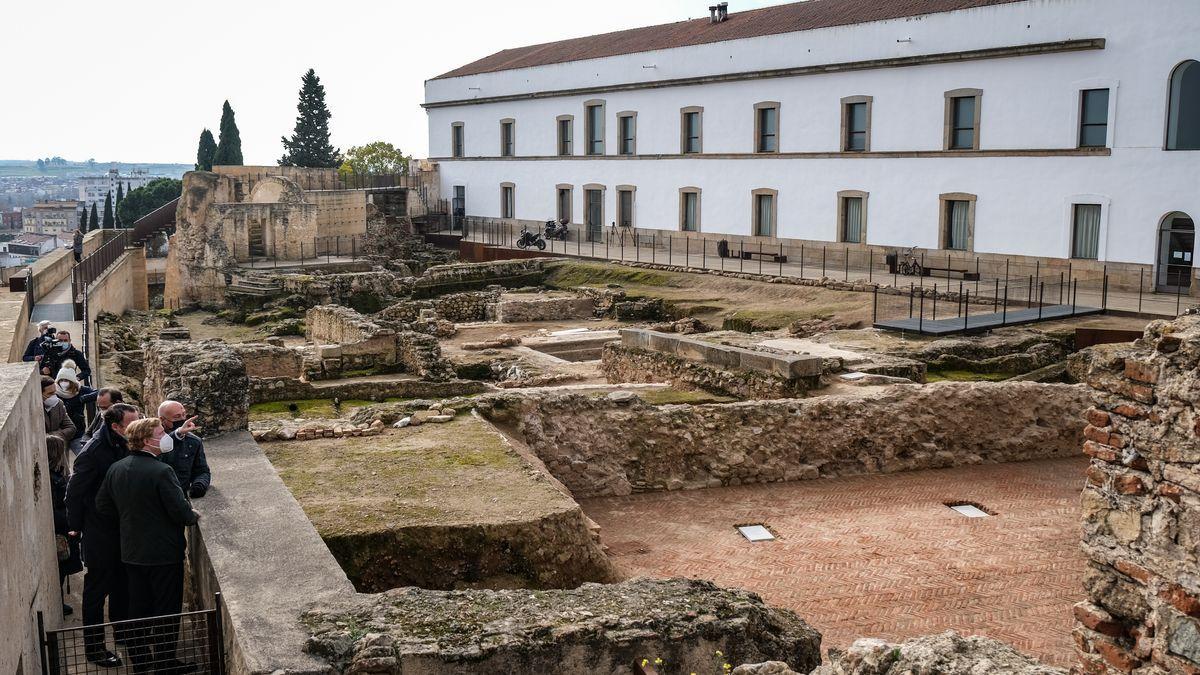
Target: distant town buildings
{"x":10,"y":220}
{"x":26,"y":248}
{"x":92,"y":189}
{"x":52,"y":217}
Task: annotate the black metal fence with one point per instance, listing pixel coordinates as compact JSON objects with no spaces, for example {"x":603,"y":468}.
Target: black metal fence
{"x":190,"y":642}
{"x":319,"y":249}
{"x":851,"y":263}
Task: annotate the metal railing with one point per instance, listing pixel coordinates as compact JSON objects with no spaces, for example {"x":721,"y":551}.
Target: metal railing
{"x":162,"y":644}
{"x":90,"y":268}
{"x":849,"y":263}
{"x":158,"y":220}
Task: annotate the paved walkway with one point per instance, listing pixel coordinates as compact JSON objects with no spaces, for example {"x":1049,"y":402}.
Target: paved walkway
{"x":879,"y":556}
{"x":57,"y":307}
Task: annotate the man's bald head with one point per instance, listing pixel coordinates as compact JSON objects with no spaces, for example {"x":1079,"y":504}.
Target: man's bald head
{"x":171,"y":411}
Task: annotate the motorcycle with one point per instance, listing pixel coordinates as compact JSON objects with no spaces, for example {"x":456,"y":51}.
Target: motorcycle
{"x":528,"y":239}
{"x":556,"y":230}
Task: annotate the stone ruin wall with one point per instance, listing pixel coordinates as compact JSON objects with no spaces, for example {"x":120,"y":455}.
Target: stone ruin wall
{"x":208,"y":377}
{"x":459,"y":277}
{"x":615,"y":446}
{"x":347,"y":341}
{"x":1141,"y":505}
{"x":457,"y":307}
{"x":536,"y":307}
{"x":620,"y":364}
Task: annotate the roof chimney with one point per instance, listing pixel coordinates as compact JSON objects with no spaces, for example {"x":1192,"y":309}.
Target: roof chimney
{"x":712,"y":13}
{"x":722,"y":11}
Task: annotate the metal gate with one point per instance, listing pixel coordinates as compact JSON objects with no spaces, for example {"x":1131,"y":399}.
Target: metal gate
{"x":176,"y":644}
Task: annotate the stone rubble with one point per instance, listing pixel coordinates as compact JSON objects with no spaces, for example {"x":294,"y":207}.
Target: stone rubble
{"x":943,"y":654}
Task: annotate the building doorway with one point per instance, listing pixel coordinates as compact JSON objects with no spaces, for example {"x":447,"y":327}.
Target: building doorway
{"x":458,"y":208}
{"x":1176,"y":243}
{"x":594,"y":213}
{"x":258,"y":240}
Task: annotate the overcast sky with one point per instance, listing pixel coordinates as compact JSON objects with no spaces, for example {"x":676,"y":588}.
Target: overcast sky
{"x":137,"y":80}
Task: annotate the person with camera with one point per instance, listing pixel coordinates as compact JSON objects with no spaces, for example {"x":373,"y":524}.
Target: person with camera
{"x":60,"y":350}
{"x":34,"y":349}
{"x":188,"y":460}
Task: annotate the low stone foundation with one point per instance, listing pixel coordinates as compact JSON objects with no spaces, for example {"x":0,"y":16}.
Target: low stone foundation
{"x":267,"y":389}
{"x":690,"y":625}
{"x":348,"y":343}
{"x":945,"y":654}
{"x":455,"y":307}
{"x":537,"y":307}
{"x":616,"y":445}
{"x":444,"y":279}
{"x":1141,"y":505}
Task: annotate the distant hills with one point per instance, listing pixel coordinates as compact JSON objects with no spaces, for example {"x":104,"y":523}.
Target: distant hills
{"x":65,"y":168}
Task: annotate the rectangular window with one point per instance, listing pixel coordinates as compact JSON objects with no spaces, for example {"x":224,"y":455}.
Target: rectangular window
{"x":958,"y":224}
{"x":768,"y":130}
{"x":507,"y":207}
{"x":856,"y":127}
{"x":1085,"y":232}
{"x":595,"y":130}
{"x":1093,"y":118}
{"x":506,"y":139}
{"x":689,"y":207}
{"x":852,"y":219}
{"x":593,"y":213}
{"x":565,"y":133}
{"x":456,"y":140}
{"x":764,"y":215}
{"x":627,"y":129}
{"x":691,"y":132}
{"x":625,"y":208}
{"x":962,"y":119}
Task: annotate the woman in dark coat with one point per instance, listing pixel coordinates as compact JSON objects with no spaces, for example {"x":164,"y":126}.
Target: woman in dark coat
{"x":68,"y":547}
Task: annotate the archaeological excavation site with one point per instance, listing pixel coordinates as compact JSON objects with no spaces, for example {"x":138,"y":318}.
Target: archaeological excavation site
{"x":431,"y":455}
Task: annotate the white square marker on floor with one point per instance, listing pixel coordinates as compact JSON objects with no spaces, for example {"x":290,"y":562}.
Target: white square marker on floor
{"x":970,"y":510}
{"x":755,"y":532}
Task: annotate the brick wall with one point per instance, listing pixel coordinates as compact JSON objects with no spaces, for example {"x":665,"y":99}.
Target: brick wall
{"x":1141,"y":505}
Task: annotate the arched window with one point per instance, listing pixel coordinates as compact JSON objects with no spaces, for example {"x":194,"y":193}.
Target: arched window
{"x":1183,"y":110}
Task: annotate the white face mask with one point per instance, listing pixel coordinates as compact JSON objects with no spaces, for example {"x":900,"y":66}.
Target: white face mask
{"x":166,"y":444}
{"x":51,"y":402}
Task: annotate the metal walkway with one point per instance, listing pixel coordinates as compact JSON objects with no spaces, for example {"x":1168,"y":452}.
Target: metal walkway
{"x":979,"y":322}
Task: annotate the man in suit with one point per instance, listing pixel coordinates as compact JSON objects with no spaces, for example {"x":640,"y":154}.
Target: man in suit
{"x":105,"y":576}
{"x":188,"y":460}
{"x":143,"y":494}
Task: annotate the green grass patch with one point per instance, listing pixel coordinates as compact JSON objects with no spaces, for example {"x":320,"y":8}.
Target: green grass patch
{"x":568,"y":275}
{"x":964,"y":376}
{"x":751,"y":320}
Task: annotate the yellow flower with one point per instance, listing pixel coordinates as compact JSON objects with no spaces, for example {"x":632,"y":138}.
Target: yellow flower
{"x":719,"y":653}
{"x":658,"y":662}
{"x":645,"y":661}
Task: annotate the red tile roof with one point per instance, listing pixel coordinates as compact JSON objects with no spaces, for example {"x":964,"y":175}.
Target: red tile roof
{"x":796,"y":16}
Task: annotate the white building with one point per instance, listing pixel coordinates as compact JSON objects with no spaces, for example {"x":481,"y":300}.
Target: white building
{"x":93,"y":189}
{"x":1056,"y":130}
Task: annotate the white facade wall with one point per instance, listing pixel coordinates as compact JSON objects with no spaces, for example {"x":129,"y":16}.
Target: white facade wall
{"x":1028,"y":103}
{"x":93,"y":189}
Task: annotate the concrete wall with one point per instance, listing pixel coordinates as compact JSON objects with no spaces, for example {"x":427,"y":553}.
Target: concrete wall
{"x":610,"y":446}
{"x":1028,"y":103}
{"x":340,"y":213}
{"x":28,"y":564}
{"x":49,"y":271}
{"x":1141,"y":505}
{"x":120,"y":288}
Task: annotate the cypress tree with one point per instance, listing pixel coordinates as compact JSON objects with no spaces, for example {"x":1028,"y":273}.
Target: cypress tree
{"x":206,"y":151}
{"x":108,"y":223}
{"x":229,"y":147}
{"x":83,"y":220}
{"x":309,"y":145}
{"x":117,"y":204}
{"x":93,"y":221}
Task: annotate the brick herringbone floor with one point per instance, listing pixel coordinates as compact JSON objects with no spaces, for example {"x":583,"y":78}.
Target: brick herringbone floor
{"x":880,"y":556}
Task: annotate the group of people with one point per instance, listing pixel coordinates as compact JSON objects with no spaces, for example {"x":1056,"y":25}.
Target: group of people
{"x":120,"y":510}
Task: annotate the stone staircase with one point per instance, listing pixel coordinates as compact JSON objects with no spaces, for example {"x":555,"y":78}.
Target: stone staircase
{"x":255,"y":286}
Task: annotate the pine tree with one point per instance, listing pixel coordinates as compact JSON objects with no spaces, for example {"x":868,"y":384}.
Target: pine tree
{"x":229,"y":147}
{"x":309,"y":145}
{"x":108,"y":223}
{"x":205,"y":151}
{"x":93,"y":221}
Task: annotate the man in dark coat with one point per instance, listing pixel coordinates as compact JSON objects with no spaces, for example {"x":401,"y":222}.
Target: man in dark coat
{"x":53,"y":358}
{"x":34,"y":348}
{"x":143,"y":494}
{"x":188,"y":460}
{"x":105,"y":576}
